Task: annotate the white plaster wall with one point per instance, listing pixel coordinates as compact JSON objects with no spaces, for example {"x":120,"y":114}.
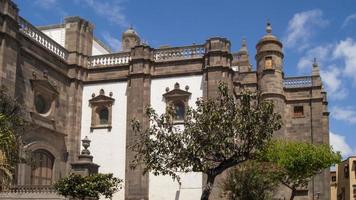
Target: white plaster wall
{"x":97,"y":49}
{"x":163,"y":187}
{"x":57,"y":34}
{"x":108,"y":147}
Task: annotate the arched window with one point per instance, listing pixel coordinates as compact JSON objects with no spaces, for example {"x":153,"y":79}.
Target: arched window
{"x":179,"y":108}
{"x":42,"y":169}
{"x":103,"y":115}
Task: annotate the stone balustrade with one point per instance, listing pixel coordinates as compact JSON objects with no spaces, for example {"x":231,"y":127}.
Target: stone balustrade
{"x":31,"y":189}
{"x":298,"y":82}
{"x":32,"y":32}
{"x":106,"y":60}
{"x":176,"y":53}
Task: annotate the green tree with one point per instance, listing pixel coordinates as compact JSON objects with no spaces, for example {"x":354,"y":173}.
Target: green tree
{"x":251,"y":180}
{"x":11,"y":129}
{"x":298,"y":162}
{"x":218,"y":134}
{"x":92,"y":186}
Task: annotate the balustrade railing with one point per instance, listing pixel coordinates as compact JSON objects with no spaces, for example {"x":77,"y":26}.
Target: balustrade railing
{"x":185,"y":52}
{"x":30,"y":189}
{"x":110,"y":59}
{"x":298,"y":82}
{"x":32,"y":32}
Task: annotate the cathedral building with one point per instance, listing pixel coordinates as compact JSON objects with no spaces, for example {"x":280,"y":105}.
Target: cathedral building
{"x":74,"y":87}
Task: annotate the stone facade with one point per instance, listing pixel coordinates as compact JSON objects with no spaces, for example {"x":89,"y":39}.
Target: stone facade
{"x":34,"y":66}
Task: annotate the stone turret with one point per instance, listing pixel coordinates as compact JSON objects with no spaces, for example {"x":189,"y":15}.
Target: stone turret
{"x":269,"y":58}
{"x":130,"y":39}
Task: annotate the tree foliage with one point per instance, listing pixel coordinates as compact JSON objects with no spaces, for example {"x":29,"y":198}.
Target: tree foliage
{"x":77,"y":186}
{"x":11,"y":129}
{"x":218,"y":134}
{"x":251,"y":180}
{"x":298,"y":162}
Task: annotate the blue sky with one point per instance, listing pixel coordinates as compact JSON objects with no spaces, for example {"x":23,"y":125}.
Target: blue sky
{"x":322,"y":29}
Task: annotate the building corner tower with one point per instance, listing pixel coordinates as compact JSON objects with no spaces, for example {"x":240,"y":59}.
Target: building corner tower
{"x":269,"y":59}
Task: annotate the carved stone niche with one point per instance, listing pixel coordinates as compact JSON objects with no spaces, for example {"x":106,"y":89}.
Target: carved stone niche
{"x":44,"y":101}
{"x":101,"y":115}
{"x":178,"y":98}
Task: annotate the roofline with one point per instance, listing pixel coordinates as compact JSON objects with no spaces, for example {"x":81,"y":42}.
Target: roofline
{"x":55,"y":26}
{"x":102,"y":44}
{"x":348,"y":158}
{"x":51,"y":26}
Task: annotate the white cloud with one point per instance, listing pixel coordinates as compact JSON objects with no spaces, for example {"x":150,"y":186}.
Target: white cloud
{"x":301,"y":28}
{"x":112,"y":41}
{"x":333,"y":81}
{"x":46,"y":4}
{"x":346,"y":113}
{"x":110,"y":10}
{"x":338,"y":142}
{"x":346,"y":50}
{"x":322,"y":53}
{"x":348,"y":20}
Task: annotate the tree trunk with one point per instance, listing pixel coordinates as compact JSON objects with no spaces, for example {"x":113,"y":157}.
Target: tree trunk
{"x":207,"y":189}
{"x":292,"y":195}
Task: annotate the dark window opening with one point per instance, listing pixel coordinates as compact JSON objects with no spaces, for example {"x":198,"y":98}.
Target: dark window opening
{"x":179,"y":108}
{"x":298,"y":111}
{"x":333,"y":178}
{"x":346,"y":171}
{"x":104,"y":115}
{"x":41,"y":104}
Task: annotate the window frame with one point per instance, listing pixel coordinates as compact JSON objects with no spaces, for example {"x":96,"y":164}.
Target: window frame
{"x":298,"y":113}
{"x":177,"y":95}
{"x":98,"y":103}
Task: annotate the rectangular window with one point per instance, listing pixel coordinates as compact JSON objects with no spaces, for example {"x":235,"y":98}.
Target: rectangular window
{"x":298,"y":111}
{"x":346,"y":171}
{"x":333,"y":178}
{"x":268,"y":62}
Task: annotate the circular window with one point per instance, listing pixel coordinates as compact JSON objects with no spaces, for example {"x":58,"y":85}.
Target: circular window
{"x":42,"y":104}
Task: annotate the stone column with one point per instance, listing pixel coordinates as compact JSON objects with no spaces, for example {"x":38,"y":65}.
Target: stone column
{"x":9,"y":45}
{"x":138,"y":97}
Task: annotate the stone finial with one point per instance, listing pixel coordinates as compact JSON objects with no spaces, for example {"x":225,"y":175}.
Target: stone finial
{"x":186,"y":88}
{"x":269,"y":27}
{"x":102,"y":92}
{"x":315,"y":70}
{"x":85,"y":144}
{"x":110,"y":94}
{"x":176,"y":86}
{"x":167,"y":89}
{"x":243,"y":46}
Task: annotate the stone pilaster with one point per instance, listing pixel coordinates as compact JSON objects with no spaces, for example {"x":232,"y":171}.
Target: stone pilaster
{"x":9,"y":45}
{"x":138,"y":97}
{"x":78,"y":42}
